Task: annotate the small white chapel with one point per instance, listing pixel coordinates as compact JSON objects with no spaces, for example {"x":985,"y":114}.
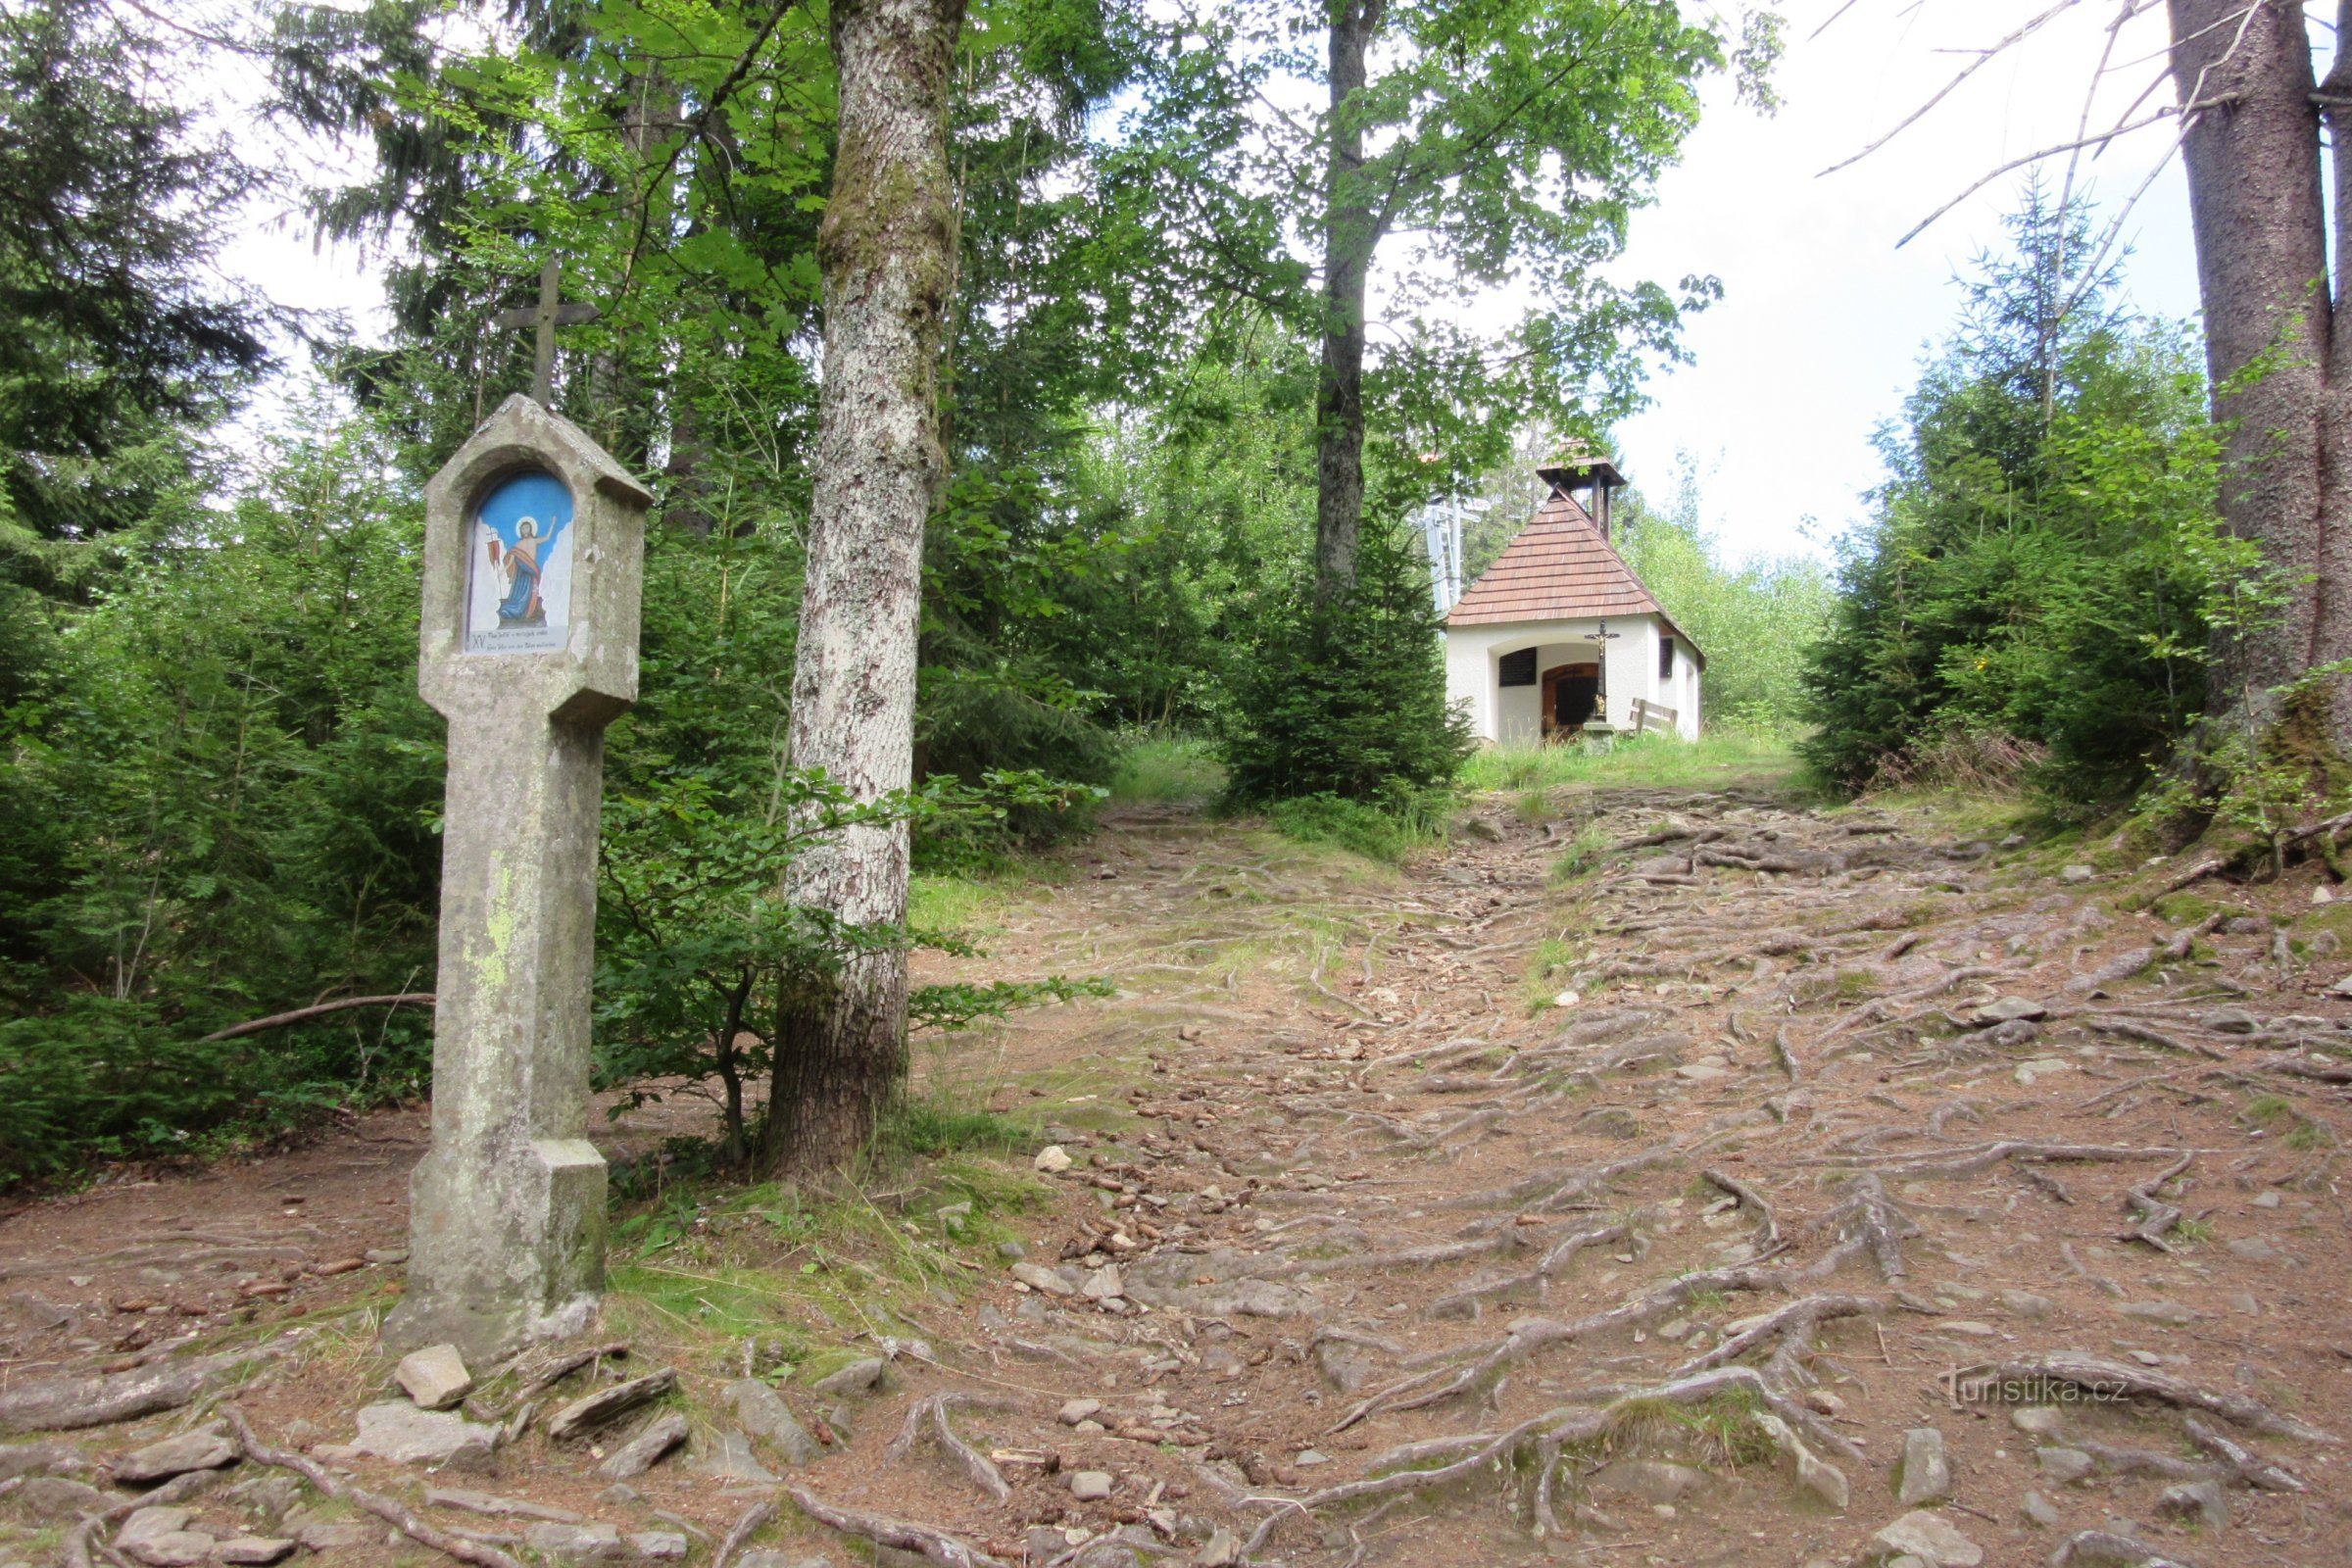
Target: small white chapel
{"x":1560,"y":640}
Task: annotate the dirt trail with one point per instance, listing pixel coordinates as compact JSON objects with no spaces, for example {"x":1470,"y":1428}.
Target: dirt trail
{"x":1362,"y":1258}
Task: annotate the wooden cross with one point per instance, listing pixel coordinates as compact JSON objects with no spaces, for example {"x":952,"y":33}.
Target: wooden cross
{"x":544,"y":317}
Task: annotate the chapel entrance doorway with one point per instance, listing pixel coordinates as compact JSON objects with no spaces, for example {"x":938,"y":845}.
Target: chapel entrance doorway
{"x":1571,"y":694}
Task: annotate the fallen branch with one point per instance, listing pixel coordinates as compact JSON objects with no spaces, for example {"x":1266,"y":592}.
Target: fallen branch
{"x":282,"y":1020}
{"x":904,"y":1534}
{"x":384,"y":1508}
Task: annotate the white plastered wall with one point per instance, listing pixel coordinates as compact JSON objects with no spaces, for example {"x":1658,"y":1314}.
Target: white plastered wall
{"x":1512,"y":714}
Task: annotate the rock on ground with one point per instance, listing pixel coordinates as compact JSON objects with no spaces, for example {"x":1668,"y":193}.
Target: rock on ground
{"x":435,"y":1377}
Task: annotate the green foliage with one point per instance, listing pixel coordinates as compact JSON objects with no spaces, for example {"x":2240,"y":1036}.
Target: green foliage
{"x":1348,"y":700}
{"x":1510,"y":142}
{"x":1756,"y":621}
{"x":217,"y":800}
{"x":2046,"y":560}
{"x":1164,"y":769}
{"x":116,"y":340}
{"x":1387,"y":831}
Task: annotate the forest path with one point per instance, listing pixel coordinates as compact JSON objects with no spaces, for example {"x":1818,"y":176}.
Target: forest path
{"x":1674,"y":1272}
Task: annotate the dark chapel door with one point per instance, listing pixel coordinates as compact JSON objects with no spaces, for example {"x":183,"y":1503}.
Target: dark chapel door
{"x":1571,"y":692}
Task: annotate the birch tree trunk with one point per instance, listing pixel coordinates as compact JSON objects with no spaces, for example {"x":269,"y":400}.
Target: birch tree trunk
{"x":1350,"y":234}
{"x":2243,"y":74}
{"x":887,"y":248}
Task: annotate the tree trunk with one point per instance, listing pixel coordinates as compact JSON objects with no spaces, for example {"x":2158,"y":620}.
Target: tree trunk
{"x":1351,"y":234}
{"x":887,"y":248}
{"x":2253,"y":157}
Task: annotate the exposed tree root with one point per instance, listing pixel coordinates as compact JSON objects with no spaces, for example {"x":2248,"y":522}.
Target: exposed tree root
{"x":1470,"y":1298}
{"x":2246,"y":1467}
{"x":85,"y":1536}
{"x":1968,"y":1162}
{"x":1768,"y":1230}
{"x":906,"y":1535}
{"x":757,"y":1514}
{"x":2156,"y":1216}
{"x":2099,"y":1376}
{"x":1529,"y":1336}
{"x":1792,"y":1325}
{"x":1442,"y":1461}
{"x":933,"y":1414}
{"x":383,"y":1507}
{"x":1869,"y":1216}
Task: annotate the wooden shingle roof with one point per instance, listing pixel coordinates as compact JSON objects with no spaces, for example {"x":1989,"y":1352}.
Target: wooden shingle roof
{"x":1558,"y":568}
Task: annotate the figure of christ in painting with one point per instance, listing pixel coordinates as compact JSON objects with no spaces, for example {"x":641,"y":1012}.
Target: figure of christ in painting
{"x":521,"y":567}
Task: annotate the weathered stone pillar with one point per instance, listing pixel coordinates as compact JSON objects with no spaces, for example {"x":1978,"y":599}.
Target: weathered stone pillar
{"x":534,"y":560}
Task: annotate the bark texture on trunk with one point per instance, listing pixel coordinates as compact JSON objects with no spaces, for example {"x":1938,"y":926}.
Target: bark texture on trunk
{"x":887,"y":248}
{"x":2243,"y":74}
{"x":1351,"y":234}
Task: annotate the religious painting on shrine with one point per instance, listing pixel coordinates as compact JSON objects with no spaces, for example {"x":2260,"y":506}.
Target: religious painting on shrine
{"x":518,"y":572}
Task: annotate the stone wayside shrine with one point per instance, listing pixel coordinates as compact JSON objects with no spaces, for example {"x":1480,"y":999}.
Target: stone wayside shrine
{"x":534,"y":560}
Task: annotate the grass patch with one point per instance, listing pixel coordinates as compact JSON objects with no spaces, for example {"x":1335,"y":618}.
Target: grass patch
{"x":955,"y":905}
{"x":1660,"y":762}
{"x":1375,"y":832}
{"x":1548,"y":970}
{"x":1583,"y":855}
{"x":1165,"y":768}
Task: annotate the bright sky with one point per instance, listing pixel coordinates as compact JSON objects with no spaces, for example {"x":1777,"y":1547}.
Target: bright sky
{"x":1823,"y":322}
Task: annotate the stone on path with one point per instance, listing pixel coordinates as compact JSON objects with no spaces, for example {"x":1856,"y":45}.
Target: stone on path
{"x":398,"y":1431}
{"x":608,"y":1405}
{"x":63,"y":1497}
{"x":1089,"y":1486}
{"x":571,"y":1543}
{"x":1052,"y":1159}
{"x":206,"y":1449}
{"x":1925,"y":1475}
{"x":862,"y":1376}
{"x":1931,"y":1538}
{"x":646,"y":1449}
{"x":2011,"y":1010}
{"x":2039,"y":1420}
{"x":259,"y":1550}
{"x":1074,"y":1411}
{"x":34,"y":1458}
{"x":2201,"y":1500}
{"x":2065,"y":1464}
{"x":730,"y":1458}
{"x":1650,"y":1480}
{"x":161,"y":1539}
{"x":2039,"y":1510}
{"x":1815,"y":1474}
{"x":435,"y":1377}
{"x":1043,"y":1278}
{"x":765,"y":1416}
{"x":534,"y":565}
